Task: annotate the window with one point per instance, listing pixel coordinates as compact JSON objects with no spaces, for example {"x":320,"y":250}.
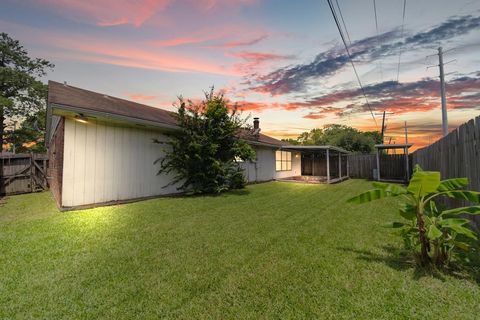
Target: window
{"x":283,"y":160}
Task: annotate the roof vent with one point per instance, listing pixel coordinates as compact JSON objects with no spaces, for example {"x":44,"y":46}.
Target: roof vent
{"x":65,"y":83}
{"x":106,"y":96}
{"x":256,"y":127}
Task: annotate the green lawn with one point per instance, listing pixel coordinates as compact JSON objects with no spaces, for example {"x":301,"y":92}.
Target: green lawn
{"x":275,"y":250}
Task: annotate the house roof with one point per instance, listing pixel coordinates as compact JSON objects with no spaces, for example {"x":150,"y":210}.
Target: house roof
{"x":67,"y":96}
{"x":80,"y":100}
{"x":314,"y":148}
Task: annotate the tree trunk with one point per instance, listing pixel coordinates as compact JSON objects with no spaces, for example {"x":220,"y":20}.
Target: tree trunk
{"x":424,"y":245}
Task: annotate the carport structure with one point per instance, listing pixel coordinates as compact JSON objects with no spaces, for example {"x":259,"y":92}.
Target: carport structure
{"x":327,"y":164}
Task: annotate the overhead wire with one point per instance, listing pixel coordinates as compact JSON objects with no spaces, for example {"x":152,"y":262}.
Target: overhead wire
{"x":343,"y":22}
{"x":400,"y":48}
{"x":342,"y":36}
{"x":378,"y":41}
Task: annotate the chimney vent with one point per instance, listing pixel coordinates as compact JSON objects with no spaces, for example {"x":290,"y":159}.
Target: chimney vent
{"x":256,"y":123}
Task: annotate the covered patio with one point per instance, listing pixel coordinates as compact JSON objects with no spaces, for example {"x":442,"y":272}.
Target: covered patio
{"x":320,"y":164}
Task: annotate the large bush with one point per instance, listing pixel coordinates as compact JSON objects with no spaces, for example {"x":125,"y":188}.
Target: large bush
{"x":205,"y":153}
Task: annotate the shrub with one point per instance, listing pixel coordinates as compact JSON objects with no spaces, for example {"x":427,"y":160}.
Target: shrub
{"x":433,"y":235}
{"x":205,"y":151}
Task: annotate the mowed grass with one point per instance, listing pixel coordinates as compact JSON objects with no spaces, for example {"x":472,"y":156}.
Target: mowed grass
{"x":275,"y":250}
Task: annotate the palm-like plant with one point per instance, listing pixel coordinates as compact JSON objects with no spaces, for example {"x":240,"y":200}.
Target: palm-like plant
{"x":432,"y":233}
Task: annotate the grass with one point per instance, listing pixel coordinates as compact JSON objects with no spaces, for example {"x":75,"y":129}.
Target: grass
{"x":274,"y":250}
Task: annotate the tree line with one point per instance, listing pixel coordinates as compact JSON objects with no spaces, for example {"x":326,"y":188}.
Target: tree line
{"x":341,"y":136}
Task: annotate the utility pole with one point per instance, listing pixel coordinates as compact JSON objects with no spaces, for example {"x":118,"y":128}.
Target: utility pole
{"x":406,"y":133}
{"x":442,"y":92}
{"x":442,"y":86}
{"x":383,"y":122}
{"x":14,"y":138}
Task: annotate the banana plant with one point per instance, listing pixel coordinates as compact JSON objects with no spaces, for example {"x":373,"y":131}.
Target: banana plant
{"x":430,"y":232}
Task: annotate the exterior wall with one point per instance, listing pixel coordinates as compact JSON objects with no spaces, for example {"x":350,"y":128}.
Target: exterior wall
{"x":55,"y":157}
{"x":106,"y":163}
{"x":263,"y":169}
{"x":296,"y":167}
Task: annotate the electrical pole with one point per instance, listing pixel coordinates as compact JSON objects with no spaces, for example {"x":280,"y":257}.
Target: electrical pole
{"x":442,"y":92}
{"x":383,"y":123}
{"x":406,"y":133}
{"x":14,"y":140}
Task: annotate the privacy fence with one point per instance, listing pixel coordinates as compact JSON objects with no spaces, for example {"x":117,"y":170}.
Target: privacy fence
{"x":23,"y":173}
{"x":362,"y":166}
{"x":456,"y":155}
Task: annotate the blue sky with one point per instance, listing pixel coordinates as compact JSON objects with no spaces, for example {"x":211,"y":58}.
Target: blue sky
{"x":280,"y":60}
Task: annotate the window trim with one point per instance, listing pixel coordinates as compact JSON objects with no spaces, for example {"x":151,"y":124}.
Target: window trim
{"x":285,"y":161}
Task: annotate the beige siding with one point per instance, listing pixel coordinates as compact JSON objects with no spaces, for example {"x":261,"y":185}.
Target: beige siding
{"x":105,"y":163}
{"x":263,"y":169}
{"x":296,"y":167}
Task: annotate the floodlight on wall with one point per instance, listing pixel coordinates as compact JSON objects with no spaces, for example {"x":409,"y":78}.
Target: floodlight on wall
{"x":81,"y":118}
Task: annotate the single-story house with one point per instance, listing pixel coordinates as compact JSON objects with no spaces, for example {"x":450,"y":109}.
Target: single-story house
{"x":101,"y":150}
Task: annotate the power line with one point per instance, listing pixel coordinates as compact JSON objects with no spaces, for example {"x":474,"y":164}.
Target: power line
{"x":343,"y":21}
{"x":400,"y":48}
{"x":334,"y":14}
{"x":378,"y":41}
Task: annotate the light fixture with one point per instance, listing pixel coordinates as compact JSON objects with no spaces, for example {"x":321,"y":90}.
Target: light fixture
{"x":81,"y":118}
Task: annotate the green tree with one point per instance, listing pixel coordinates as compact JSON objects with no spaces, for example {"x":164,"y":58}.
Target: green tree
{"x":342,"y":136}
{"x":22,"y":94}
{"x":204,"y":155}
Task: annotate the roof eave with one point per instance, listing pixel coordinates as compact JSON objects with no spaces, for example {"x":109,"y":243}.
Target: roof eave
{"x":113,"y":116}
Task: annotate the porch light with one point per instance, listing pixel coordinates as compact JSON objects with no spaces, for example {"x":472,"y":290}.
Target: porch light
{"x":297,"y":155}
{"x":81,"y":118}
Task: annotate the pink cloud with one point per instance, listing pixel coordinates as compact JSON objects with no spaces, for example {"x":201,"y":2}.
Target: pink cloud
{"x":142,"y":97}
{"x":107,"y":12}
{"x":253,"y":61}
{"x":239,"y":43}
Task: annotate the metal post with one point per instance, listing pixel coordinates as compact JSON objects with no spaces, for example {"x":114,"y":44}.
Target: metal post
{"x":378,"y":165}
{"x":313,"y":164}
{"x":348,"y":167}
{"x":328,"y":166}
{"x":442,"y":92}
{"x":406,"y":164}
{"x":339,"y":165}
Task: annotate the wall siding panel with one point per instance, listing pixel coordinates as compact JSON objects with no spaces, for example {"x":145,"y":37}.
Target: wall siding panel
{"x":105,"y":163}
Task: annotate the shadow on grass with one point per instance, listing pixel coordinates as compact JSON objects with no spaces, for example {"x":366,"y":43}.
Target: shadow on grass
{"x":401,"y":260}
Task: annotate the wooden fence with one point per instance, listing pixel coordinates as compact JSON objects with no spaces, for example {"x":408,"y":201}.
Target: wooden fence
{"x":362,"y":166}
{"x":456,"y":155}
{"x":23,"y":173}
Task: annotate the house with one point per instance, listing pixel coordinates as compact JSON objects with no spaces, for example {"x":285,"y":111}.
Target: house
{"x":101,"y":150}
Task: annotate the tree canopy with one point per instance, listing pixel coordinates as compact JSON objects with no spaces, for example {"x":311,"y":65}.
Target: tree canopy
{"x":342,"y":136}
{"x":22,"y":94}
{"x":204,"y":155}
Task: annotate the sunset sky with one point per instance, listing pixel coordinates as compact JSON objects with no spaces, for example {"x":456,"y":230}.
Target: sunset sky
{"x":282,"y":61}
